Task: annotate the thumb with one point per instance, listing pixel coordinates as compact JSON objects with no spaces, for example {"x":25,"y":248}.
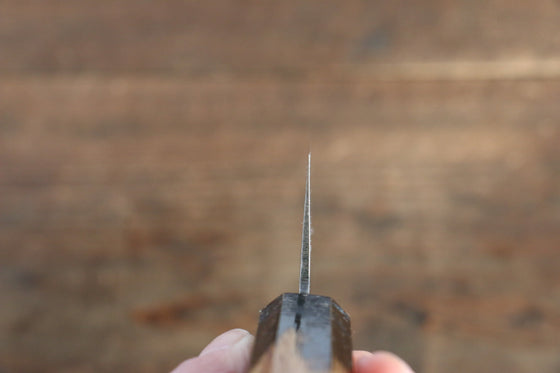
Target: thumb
{"x":228,"y":352}
{"x":379,"y":362}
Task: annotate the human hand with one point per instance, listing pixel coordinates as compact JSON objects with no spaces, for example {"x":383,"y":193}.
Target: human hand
{"x":230,"y":353}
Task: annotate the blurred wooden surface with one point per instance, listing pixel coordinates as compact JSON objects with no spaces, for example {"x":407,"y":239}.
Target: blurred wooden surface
{"x":152,"y":169}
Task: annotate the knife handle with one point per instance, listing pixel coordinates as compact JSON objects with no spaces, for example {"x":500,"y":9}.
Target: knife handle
{"x":302,"y":333}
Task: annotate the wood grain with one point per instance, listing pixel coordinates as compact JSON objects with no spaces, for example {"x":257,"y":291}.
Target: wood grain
{"x":152,"y":169}
{"x":282,"y":357}
{"x":286,"y":39}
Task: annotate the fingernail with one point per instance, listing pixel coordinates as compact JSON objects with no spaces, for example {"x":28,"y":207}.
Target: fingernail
{"x":240,"y":353}
{"x":380,"y":361}
{"x":226,"y":340}
{"x":391,"y":360}
{"x":363,"y":361}
{"x":243,"y":342}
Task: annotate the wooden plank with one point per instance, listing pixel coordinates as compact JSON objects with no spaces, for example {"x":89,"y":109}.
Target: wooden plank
{"x":133,"y":205}
{"x":287,"y":38}
{"x":132,"y":195}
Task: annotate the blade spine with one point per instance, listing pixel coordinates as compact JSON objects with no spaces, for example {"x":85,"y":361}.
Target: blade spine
{"x":305,"y":264}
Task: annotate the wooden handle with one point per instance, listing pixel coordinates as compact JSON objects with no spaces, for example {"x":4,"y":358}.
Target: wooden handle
{"x":296,"y":335}
{"x":284,"y":357}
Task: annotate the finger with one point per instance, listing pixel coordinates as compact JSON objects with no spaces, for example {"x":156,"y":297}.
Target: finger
{"x":379,"y":362}
{"x":227,"y":353}
{"x":225,"y":340}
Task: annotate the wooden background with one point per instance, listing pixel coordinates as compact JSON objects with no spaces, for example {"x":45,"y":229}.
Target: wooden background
{"x":152,"y":171}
